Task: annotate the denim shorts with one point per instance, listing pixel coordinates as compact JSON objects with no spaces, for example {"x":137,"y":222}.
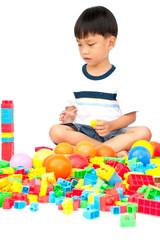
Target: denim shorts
{"x":89,"y":131}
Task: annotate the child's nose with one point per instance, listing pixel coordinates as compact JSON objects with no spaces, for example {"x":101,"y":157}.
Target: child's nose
{"x":85,"y":50}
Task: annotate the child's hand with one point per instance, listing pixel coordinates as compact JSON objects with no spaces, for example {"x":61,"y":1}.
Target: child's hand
{"x":68,"y":116}
{"x":103,"y":128}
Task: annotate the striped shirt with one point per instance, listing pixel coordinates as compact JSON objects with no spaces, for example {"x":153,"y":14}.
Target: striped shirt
{"x":96,"y":97}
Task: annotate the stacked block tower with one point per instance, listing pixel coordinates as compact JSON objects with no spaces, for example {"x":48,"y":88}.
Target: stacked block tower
{"x":7,"y":130}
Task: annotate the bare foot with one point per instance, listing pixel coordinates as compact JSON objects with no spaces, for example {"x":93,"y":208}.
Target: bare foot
{"x":121,"y":154}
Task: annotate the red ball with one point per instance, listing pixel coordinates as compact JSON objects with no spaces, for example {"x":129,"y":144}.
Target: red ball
{"x":60,"y":165}
{"x":78,"y":161}
{"x":157,"y":150}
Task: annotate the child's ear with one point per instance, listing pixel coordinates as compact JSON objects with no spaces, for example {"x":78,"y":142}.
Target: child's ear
{"x":111,"y":42}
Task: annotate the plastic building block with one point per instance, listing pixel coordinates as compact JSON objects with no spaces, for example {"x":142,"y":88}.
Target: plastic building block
{"x":115,"y":210}
{"x":52,"y":197}
{"x":77,"y":191}
{"x":19,"y":204}
{"x":67,"y":205}
{"x":132,"y":207}
{"x":91,"y":214}
{"x":43,"y":199}
{"x":8,"y":203}
{"x":34,"y":206}
{"x":151,"y":191}
{"x":127,"y":220}
{"x":83,"y":203}
{"x":90,"y":178}
{"x":147,"y":206}
{"x":25,"y":189}
{"x":4,"y":164}
{"x":137,"y":180}
{"x":106,"y":202}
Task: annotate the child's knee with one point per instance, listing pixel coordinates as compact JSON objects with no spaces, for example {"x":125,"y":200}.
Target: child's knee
{"x":145,"y":133}
{"x":55,"y":133}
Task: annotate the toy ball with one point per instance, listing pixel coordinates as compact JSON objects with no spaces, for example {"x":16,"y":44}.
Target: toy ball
{"x":105,"y":151}
{"x":85,"y":148}
{"x":21,"y":159}
{"x":60,"y":165}
{"x":157,"y":150}
{"x":40,"y":156}
{"x":64,"y":148}
{"x":144,"y":144}
{"x":154,"y":145}
{"x":142,"y":153}
{"x":78,"y":161}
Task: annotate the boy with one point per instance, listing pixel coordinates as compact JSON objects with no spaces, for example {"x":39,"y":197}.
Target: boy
{"x":95,"y":93}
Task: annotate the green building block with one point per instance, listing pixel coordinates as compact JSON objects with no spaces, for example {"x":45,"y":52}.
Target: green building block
{"x":132,"y":207}
{"x":83,"y":203}
{"x":4,"y":164}
{"x":88,"y":169}
{"x":127,"y":220}
{"x":122,"y":160}
{"x":79,"y":173}
{"x":3,"y":195}
{"x":142,"y":189}
{"x":130,"y":162}
{"x":151,"y":192}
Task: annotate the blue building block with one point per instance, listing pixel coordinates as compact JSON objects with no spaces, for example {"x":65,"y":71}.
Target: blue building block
{"x":19,"y":204}
{"x":90,"y":206}
{"x":52,"y":197}
{"x":97,"y":200}
{"x":59,"y":200}
{"x":157,"y":198}
{"x":85,"y":193}
{"x":120,"y":191}
{"x":34,"y":206}
{"x":139,"y":167}
{"x":25,"y":189}
{"x":7,"y":139}
{"x":90,"y":178}
{"x":7,"y":111}
{"x":74,"y":182}
{"x":91,"y":214}
{"x":115,"y":210}
{"x":113,"y":179}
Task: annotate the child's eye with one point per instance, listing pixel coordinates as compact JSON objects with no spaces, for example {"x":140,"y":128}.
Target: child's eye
{"x":91,"y":44}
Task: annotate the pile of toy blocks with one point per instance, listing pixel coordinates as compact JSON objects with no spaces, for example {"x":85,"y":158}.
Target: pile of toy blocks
{"x":7,"y":130}
{"x":105,"y":185}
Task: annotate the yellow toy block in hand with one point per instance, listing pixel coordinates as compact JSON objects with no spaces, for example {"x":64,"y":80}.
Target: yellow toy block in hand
{"x":93,"y":123}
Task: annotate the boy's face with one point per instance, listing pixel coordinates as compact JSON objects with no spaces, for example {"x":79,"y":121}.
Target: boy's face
{"x":94,"y":49}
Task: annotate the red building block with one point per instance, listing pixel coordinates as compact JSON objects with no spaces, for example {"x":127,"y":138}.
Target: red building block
{"x":68,"y":194}
{"x":114,"y":193}
{"x":7,"y":127}
{"x":137,"y":180}
{"x":106,"y":202}
{"x":121,"y":169}
{"x":149,"y":206}
{"x":20,"y":196}
{"x":49,"y":188}
{"x":43,"y":199}
{"x":75,"y":206}
{"x":135,"y":197}
{"x":77,"y":191}
{"x":78,"y":202}
{"x":111,"y":163}
{"x":60,"y":207}
{"x":8,"y":203}
{"x":7,"y":104}
{"x":35,"y":186}
{"x":7,"y":150}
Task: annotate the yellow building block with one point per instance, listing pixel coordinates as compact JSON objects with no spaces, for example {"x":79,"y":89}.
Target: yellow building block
{"x":93,"y":123}
{"x":120,"y":203}
{"x":3,"y":182}
{"x":80,"y":184}
{"x":8,"y":170}
{"x":17,"y":176}
{"x":43,"y":188}
{"x":49,"y":176}
{"x":91,"y":197}
{"x":153,"y":172}
{"x":32,"y":198}
{"x":67,"y":205}
{"x":16,"y":186}
{"x":7,"y":135}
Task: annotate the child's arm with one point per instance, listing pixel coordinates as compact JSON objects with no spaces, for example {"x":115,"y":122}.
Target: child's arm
{"x":68,"y":115}
{"x":105,"y":127}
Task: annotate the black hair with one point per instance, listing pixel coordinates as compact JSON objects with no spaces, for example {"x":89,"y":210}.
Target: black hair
{"x":96,"y":20}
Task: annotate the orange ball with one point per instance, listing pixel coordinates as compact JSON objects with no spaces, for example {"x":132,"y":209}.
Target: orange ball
{"x":85,"y":148}
{"x":105,"y":151}
{"x":60,"y":165}
{"x":154,"y":144}
{"x":64,"y":148}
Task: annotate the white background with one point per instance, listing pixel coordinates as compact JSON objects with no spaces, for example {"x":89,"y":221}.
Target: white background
{"x":37,"y":53}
